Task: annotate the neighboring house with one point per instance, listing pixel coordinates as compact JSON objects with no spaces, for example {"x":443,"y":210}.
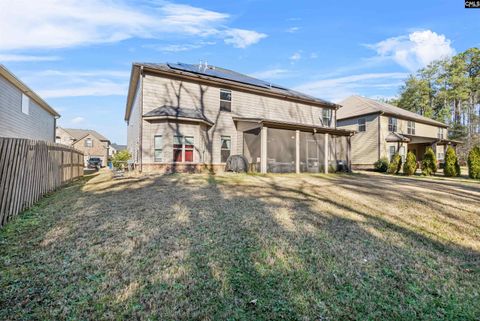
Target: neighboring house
{"x":23,"y":113}
{"x":383,"y":130}
{"x":90,"y":142}
{"x":115,"y":148}
{"x":185,"y":117}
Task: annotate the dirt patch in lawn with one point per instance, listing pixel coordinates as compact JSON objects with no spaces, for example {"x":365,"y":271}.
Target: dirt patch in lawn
{"x":311,"y":247}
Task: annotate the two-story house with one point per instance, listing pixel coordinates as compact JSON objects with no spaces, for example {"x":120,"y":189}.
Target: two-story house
{"x":185,"y":117}
{"x":23,"y":114}
{"x":383,"y":130}
{"x":90,"y":142}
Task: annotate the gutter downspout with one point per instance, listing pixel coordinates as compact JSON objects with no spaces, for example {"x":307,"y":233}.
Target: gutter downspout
{"x":379,"y":135}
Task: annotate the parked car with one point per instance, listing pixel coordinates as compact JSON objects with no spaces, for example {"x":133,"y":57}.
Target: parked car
{"x":94,"y":162}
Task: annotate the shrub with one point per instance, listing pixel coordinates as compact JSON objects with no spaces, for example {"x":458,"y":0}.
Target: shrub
{"x":395,"y":165}
{"x":474,"y":162}
{"x":429,"y":162}
{"x":119,"y":160}
{"x":451,"y":167}
{"x":381,"y":165}
{"x":410,"y":166}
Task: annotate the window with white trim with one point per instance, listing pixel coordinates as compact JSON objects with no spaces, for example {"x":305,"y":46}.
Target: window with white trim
{"x":88,"y":142}
{"x":362,"y":125}
{"x":183,"y":149}
{"x":25,"y":104}
{"x":392,"y":124}
{"x":440,"y":133}
{"x":225,"y":100}
{"x":158,"y":148}
{"x":392,"y":152}
{"x":411,"y":127}
{"x":225,"y":148}
{"x":440,"y":156}
{"x":326,"y":117}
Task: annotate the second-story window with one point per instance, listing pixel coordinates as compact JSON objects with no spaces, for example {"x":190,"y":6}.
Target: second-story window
{"x":411,"y":127}
{"x":326,"y":117}
{"x":440,"y":133}
{"x":362,"y":125}
{"x":225,"y":100}
{"x":392,"y":124}
{"x":88,"y":142}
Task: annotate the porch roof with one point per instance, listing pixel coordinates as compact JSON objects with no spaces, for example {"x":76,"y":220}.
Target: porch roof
{"x":396,"y":137}
{"x":271,"y":123}
{"x":414,"y":139}
{"x":177,"y":113}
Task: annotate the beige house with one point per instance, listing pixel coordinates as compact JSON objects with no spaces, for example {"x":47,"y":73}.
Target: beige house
{"x":383,"y":130}
{"x":191,"y":117}
{"x":23,"y":113}
{"x":90,"y":142}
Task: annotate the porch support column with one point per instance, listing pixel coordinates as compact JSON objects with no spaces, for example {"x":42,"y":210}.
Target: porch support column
{"x":297,"y":151}
{"x":263,"y":150}
{"x":349,"y":153}
{"x":326,"y":156}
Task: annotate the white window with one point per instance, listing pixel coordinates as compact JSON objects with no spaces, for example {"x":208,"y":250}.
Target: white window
{"x":362,"y":125}
{"x":88,"y":142}
{"x":25,"y":104}
{"x":411,"y":127}
{"x":326,"y":117}
{"x":402,"y":153}
{"x":440,"y":133}
{"x":226,"y":146}
{"x":392,"y":124}
{"x":392,"y":152}
{"x":440,"y":156}
{"x":225,"y":100}
{"x":158,"y":148}
{"x":183,"y":149}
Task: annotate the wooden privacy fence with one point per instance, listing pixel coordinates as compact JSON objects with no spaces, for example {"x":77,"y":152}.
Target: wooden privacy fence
{"x":31,"y":168}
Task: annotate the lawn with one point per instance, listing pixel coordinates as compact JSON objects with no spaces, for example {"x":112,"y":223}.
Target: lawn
{"x":251,"y":247}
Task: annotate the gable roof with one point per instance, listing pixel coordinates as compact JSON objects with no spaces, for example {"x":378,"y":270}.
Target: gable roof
{"x":219,"y":76}
{"x":178,"y":113}
{"x":7,"y":74}
{"x":81,"y":133}
{"x":354,"y":106}
{"x":118,"y":147}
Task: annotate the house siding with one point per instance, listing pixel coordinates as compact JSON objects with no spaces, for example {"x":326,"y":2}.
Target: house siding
{"x":159,"y":91}
{"x":99,"y":149}
{"x":38,"y":124}
{"x":364,"y":144}
{"x":133,"y":128}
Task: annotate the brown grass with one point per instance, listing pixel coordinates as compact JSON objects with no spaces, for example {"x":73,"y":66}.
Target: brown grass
{"x":312,"y":247}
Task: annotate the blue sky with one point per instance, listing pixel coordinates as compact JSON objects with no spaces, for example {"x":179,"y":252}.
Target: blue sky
{"x":77,"y":54}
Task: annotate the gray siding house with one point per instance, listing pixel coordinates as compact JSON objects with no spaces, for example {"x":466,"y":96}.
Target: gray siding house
{"x":23,"y":114}
{"x":185,"y":117}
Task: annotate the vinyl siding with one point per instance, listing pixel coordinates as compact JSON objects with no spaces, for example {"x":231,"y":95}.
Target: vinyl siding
{"x":364,"y":144}
{"x":133,"y":128}
{"x":38,"y":124}
{"x":159,"y":91}
{"x":99,"y":149}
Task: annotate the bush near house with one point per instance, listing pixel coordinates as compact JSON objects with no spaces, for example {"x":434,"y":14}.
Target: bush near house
{"x":395,"y":165}
{"x":381,"y":165}
{"x":451,"y":167}
{"x":119,"y":160}
{"x":410,"y":166}
{"x":474,"y":162}
{"x":429,"y":162}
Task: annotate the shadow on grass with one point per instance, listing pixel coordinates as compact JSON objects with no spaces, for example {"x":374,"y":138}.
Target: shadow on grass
{"x":205,"y":247}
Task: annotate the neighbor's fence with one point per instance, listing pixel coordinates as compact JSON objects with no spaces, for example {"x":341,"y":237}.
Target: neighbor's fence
{"x":31,"y":168}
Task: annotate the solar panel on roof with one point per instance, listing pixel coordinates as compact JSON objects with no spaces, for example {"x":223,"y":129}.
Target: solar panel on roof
{"x":220,"y":73}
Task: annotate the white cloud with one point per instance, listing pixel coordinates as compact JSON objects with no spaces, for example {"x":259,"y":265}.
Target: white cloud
{"x":276,"y":73}
{"x":77,"y":120}
{"x":24,"y":58}
{"x":336,"y":89}
{"x":181,"y":47}
{"x":51,"y":24}
{"x":293,"y":29}
{"x":416,"y":50}
{"x":241,"y":38}
{"x":296,"y":56}
{"x":313,"y":55}
{"x":60,"y":83}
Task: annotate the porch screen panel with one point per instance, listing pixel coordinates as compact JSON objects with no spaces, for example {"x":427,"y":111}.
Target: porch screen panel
{"x":280,"y":151}
{"x":312,"y":152}
{"x":251,"y":148}
{"x":341,"y":155}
